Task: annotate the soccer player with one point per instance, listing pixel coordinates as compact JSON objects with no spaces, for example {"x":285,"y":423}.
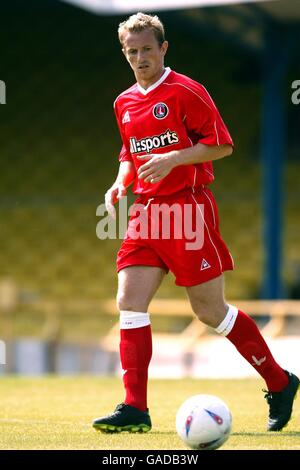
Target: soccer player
{"x":171,"y":132}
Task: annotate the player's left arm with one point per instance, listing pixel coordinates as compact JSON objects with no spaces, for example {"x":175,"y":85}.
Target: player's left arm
{"x":160,"y":165}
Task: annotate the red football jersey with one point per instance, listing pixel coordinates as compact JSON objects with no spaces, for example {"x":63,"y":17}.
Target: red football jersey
{"x":172,"y":114}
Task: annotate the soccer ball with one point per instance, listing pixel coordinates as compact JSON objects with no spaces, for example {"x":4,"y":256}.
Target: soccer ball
{"x":203,"y":422}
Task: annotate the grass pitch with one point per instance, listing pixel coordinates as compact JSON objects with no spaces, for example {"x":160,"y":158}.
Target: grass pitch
{"x":56,"y":413}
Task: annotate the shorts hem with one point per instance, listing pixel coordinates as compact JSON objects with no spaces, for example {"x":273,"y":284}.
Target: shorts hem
{"x":153,"y":265}
{"x":202,"y":280}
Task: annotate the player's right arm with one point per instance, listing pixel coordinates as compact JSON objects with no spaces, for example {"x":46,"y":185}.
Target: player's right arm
{"x":127,"y":172}
{"x":118,"y":190}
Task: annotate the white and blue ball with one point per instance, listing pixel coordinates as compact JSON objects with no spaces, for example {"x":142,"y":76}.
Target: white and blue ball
{"x":204,"y":422}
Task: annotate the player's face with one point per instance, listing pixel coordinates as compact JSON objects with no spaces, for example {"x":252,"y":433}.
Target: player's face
{"x":145,"y":56}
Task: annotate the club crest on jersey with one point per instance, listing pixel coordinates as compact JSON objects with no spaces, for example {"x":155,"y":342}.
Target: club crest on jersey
{"x":160,"y":110}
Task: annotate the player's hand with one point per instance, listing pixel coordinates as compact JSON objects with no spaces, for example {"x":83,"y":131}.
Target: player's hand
{"x":114,"y":194}
{"x":156,"y":167}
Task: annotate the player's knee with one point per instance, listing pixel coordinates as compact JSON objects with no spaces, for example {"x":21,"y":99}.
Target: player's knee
{"x":204,"y":316}
{"x":208,"y":314}
{"x":127,"y":302}
{"x":123,"y":302}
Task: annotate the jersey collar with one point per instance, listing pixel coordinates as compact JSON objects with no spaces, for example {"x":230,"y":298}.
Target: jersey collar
{"x":156,"y":84}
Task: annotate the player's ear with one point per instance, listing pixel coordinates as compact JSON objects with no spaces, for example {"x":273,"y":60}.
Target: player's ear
{"x":164,"y":47}
{"x":124,"y":52}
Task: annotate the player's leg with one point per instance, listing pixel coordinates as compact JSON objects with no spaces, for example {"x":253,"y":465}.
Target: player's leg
{"x":207,"y":301}
{"x":137,"y":286}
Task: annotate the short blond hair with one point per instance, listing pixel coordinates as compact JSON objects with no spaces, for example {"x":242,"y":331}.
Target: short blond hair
{"x":141,"y":22}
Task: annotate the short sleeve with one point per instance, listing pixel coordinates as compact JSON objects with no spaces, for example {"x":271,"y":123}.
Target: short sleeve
{"x":124,"y":156}
{"x":203,"y":117}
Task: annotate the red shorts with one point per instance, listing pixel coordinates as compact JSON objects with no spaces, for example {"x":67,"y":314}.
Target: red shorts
{"x":190,"y":266}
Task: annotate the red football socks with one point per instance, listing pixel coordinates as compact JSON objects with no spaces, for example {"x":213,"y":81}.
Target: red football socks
{"x":248,"y":340}
{"x":136,"y":352}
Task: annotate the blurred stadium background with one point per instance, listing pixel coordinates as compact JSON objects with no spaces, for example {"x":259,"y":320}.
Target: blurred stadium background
{"x":59,"y":143}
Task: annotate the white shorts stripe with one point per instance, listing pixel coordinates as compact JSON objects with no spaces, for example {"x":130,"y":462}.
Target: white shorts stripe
{"x":212,"y":207}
